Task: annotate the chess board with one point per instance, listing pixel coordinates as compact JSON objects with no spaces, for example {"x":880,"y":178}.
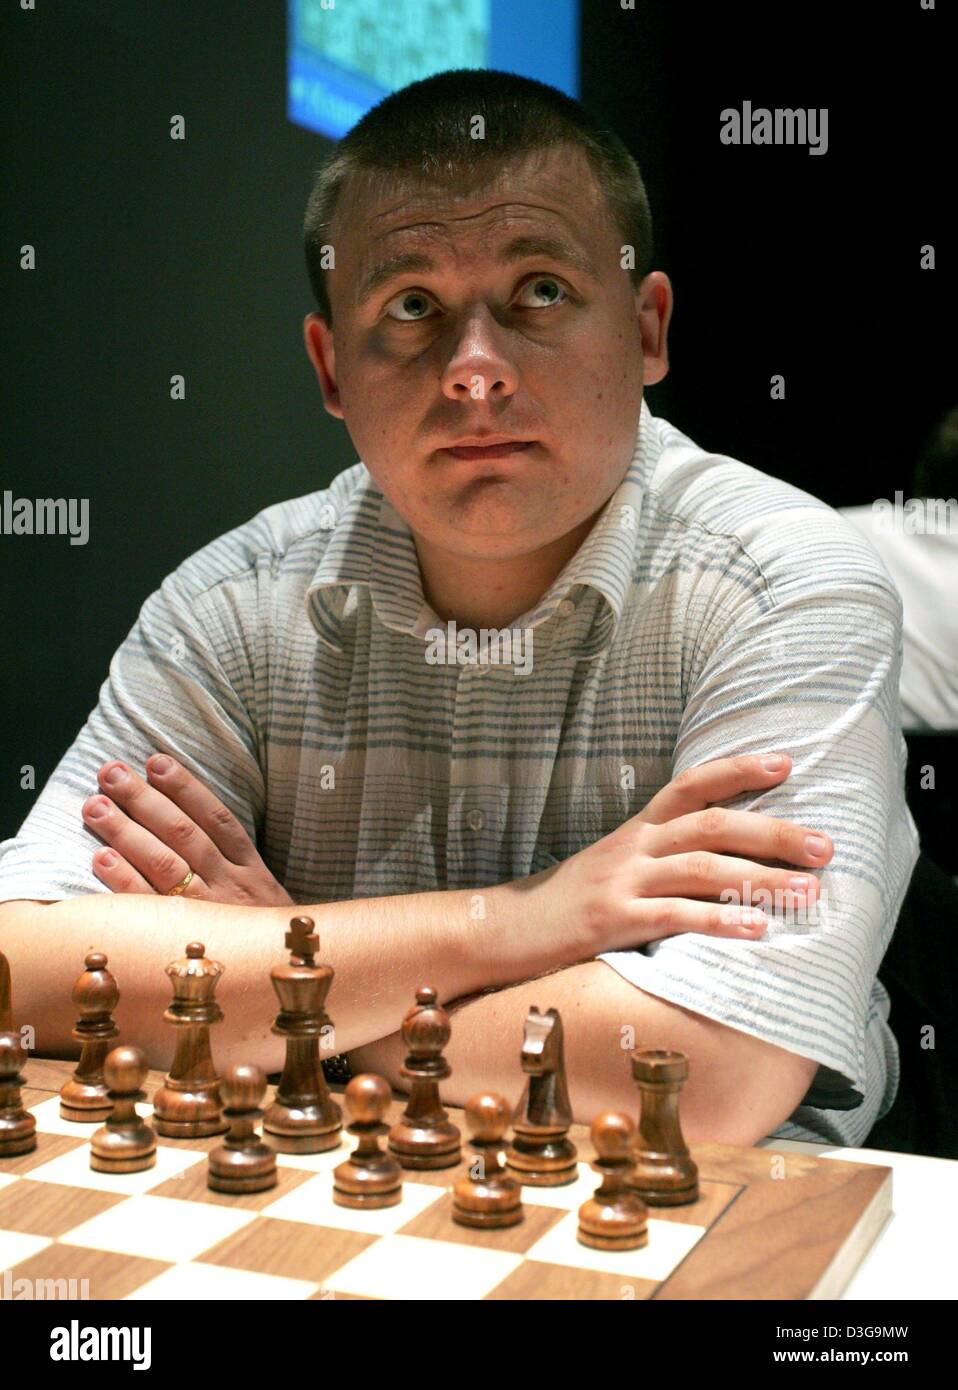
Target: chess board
{"x":767,"y":1225}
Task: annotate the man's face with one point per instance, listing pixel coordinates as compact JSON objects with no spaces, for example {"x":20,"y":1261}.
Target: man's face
{"x":538,"y":348}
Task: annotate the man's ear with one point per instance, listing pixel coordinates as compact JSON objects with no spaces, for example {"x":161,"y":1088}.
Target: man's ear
{"x":318,"y":337}
{"x":653,"y":301}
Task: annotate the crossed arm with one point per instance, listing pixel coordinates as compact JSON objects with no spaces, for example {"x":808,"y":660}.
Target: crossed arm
{"x":740,"y":1087}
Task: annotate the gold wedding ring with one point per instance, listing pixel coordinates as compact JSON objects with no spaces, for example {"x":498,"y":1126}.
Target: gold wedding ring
{"x":183,"y":884}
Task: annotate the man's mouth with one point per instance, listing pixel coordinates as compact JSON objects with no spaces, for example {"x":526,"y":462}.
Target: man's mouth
{"x":489,"y":451}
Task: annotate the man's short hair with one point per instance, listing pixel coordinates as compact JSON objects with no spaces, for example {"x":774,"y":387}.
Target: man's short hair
{"x":425,"y":131}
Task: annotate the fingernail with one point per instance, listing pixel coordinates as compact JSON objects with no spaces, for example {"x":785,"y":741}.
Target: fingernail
{"x":161,"y":764}
{"x":803,"y":885}
{"x":107,"y":859}
{"x":816,"y":845}
{"x":96,"y":809}
{"x":117,"y":773}
{"x":773,"y":762}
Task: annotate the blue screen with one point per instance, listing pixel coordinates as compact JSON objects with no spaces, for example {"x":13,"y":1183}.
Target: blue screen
{"x":344,"y":57}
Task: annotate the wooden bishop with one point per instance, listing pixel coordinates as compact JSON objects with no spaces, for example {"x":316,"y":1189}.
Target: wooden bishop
{"x":18,"y":1128}
{"x":85,"y":1097}
{"x":424,"y":1136}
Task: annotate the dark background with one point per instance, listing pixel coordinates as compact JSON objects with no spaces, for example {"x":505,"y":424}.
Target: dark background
{"x":158,"y":257}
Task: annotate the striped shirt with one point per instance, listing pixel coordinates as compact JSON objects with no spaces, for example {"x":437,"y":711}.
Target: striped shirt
{"x":712,"y":610}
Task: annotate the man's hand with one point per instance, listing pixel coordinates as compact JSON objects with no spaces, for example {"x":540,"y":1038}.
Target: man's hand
{"x":159,"y":830}
{"x":647,"y":879}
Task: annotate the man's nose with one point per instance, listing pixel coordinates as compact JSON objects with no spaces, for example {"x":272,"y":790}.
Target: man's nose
{"x":480,"y":362}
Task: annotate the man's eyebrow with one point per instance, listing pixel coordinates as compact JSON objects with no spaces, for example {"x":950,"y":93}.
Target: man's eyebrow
{"x":521,"y":248}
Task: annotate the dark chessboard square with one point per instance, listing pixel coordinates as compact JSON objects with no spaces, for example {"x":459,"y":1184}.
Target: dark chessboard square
{"x":536,"y":1280}
{"x":96,"y":1274}
{"x":191,"y":1186}
{"x":291,"y":1249}
{"x":49,"y":1208}
{"x":48,"y":1146}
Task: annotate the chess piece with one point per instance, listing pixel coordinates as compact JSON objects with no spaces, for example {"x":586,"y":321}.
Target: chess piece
{"x":242,"y":1163}
{"x":84,"y":1097}
{"x":369,"y":1177}
{"x":425,"y":1137}
{"x":18,"y":1128}
{"x":487,"y":1196}
{"x":615,"y":1218}
{"x":663,"y":1172}
{"x":541,"y":1154}
{"x":6,"y":1006}
{"x":187,"y":1105}
{"x":126,"y":1143}
{"x":303,"y":1119}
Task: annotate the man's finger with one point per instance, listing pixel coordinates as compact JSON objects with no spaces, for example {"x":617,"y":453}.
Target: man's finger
{"x":135,"y":803}
{"x":749,"y":833}
{"x":119,"y":876}
{"x":154,"y":859}
{"x":698,"y":787}
{"x":203,"y":807}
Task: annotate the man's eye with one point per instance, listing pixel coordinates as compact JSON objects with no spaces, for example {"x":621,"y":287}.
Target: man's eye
{"x":552,"y":290}
{"x":413,"y":303}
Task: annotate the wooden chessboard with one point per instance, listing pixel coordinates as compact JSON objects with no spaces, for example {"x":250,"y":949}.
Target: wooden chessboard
{"x":767,"y":1225}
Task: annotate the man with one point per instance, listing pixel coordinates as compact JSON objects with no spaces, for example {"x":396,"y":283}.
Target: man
{"x":709,"y":713}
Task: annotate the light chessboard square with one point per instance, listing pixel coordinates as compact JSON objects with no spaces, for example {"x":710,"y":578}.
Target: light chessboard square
{"x":159,"y":1228}
{"x":73,"y":1170}
{"x":408,"y":1267}
{"x":193,"y":1281}
{"x":313,"y":1202}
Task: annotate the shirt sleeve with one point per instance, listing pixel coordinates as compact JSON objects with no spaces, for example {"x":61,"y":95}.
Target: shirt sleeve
{"x":800,"y":651}
{"x":183,"y":682}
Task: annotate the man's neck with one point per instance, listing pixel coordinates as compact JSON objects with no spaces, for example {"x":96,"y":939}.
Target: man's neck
{"x":480,"y":593}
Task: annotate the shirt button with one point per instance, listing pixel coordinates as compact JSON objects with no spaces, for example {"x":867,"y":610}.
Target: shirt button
{"x":566,"y":608}
{"x":475,"y":820}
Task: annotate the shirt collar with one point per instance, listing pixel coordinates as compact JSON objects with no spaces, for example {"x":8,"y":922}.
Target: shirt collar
{"x":372,"y":546}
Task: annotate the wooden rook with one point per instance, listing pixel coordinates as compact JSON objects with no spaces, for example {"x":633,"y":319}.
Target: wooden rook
{"x":303,"y":1118}
{"x":487,"y":1196}
{"x":369,"y":1178}
{"x":615,"y":1218}
{"x":541,"y":1154}
{"x":126,"y":1143}
{"x":84,"y":1097}
{"x":242,"y":1163}
{"x":187,"y":1105}
{"x":663,"y":1173}
{"x":18,"y":1128}
{"x":6,"y":1004}
{"x":425,"y":1137}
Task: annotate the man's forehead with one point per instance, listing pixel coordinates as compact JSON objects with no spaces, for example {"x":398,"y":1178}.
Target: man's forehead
{"x":375,"y":205}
